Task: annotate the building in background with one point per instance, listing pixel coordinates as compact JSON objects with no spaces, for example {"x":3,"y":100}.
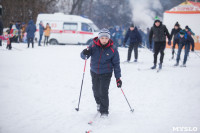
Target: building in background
{"x":187,"y":13}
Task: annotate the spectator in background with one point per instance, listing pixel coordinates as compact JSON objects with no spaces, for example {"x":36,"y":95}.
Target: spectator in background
{"x":23,"y":30}
{"x":189,"y":31}
{"x":41,"y":31}
{"x":11,"y":24}
{"x":158,"y":32}
{"x":12,"y":35}
{"x":116,"y":36}
{"x":18,"y":27}
{"x":174,"y":32}
{"x":47,"y":34}
{"x":1,"y":30}
{"x":184,"y":40}
{"x":31,"y":29}
{"x":135,"y":41}
{"x":9,"y":40}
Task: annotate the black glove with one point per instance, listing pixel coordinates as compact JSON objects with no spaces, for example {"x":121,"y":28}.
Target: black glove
{"x":150,"y":46}
{"x":169,"y":42}
{"x":86,"y":52}
{"x":124,"y":44}
{"x":119,"y":83}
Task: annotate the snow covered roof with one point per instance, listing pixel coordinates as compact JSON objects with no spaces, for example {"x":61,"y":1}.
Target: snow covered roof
{"x":187,"y":7}
{"x":63,"y":17}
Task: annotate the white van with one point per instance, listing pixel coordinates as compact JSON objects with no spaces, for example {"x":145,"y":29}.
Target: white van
{"x":67,"y":29}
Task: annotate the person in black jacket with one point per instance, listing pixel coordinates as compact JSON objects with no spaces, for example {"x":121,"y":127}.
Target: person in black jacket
{"x":1,"y":30}
{"x":159,"y":33}
{"x":184,"y":40}
{"x":174,"y":32}
{"x":104,"y":59}
{"x":135,"y":40}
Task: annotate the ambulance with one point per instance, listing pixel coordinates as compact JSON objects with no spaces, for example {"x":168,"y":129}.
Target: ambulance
{"x":67,"y":29}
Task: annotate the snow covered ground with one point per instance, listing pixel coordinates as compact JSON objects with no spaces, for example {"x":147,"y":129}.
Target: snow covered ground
{"x":39,"y":90}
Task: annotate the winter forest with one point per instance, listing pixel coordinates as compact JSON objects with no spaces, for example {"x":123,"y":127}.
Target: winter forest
{"x":125,"y":10}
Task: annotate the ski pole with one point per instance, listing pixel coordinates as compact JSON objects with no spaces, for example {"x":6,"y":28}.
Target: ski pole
{"x":196,"y":53}
{"x":127,"y":100}
{"x":77,"y":109}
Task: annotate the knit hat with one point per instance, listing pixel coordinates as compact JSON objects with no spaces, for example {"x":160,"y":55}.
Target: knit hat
{"x":182,"y":32}
{"x":187,"y":27}
{"x":132,"y":25}
{"x":104,"y":33}
{"x":177,"y":24}
{"x":157,"y":19}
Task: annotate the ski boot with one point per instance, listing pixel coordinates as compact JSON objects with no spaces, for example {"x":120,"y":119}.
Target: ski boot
{"x":184,"y":65}
{"x":160,"y":66}
{"x":104,"y":115}
{"x":176,"y":64}
{"x":98,"y":107}
{"x":153,"y":67}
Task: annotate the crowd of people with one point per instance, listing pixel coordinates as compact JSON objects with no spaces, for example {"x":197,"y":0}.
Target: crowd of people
{"x":157,"y":41}
{"x":118,"y":34}
{"x":19,"y":32}
{"x":105,"y":56}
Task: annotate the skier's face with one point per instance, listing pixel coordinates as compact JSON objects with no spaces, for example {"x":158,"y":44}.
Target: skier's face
{"x":176,"y":27}
{"x":181,"y":36}
{"x":131,"y":28}
{"x":104,"y":40}
{"x":157,"y":24}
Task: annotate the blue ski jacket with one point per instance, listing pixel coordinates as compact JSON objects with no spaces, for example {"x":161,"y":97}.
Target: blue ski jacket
{"x":104,"y":60}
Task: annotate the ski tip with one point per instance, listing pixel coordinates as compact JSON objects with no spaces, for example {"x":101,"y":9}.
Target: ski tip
{"x":88,"y":131}
{"x":90,"y":122}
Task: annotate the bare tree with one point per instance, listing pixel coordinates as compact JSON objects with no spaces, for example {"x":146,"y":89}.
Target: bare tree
{"x":24,"y":10}
{"x":75,"y":4}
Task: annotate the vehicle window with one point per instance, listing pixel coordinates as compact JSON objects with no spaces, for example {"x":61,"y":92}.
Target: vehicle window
{"x":70,"y":26}
{"x":95,"y":28}
{"x":86,"y":27}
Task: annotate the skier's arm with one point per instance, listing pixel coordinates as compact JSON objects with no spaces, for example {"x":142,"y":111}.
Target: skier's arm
{"x":90,"y":53}
{"x":116,"y":64}
{"x":191,"y":40}
{"x":150,"y":37}
{"x":139,"y":37}
{"x":126,"y":36}
{"x":176,"y":39}
{"x":191,"y":32}
{"x":172,"y":33}
{"x":167,"y":33}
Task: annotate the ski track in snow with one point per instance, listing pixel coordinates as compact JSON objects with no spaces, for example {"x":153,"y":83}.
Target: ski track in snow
{"x":39,"y":90}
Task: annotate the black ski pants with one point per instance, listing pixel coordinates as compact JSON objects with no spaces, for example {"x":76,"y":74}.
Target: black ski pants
{"x":130,"y":49}
{"x":159,"y":47}
{"x":30,"y":40}
{"x":100,"y":87}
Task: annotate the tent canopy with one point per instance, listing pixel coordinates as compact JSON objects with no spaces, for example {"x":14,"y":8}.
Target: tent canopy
{"x":186,"y":13}
{"x":187,"y":7}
